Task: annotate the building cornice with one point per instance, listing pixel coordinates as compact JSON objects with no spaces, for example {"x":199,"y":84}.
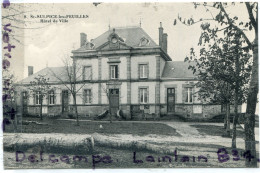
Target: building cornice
{"x":122,"y":52}
{"x":119,"y":80}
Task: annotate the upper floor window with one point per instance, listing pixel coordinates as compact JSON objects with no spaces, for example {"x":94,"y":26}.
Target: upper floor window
{"x":87,"y":73}
{"x":188,"y":95}
{"x":114,"y":71}
{"x":143,"y":71}
{"x":37,"y":97}
{"x":143,"y":95}
{"x":88,"y":96}
{"x":51,"y":98}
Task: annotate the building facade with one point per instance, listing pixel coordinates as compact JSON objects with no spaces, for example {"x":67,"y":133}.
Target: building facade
{"x":122,"y":69}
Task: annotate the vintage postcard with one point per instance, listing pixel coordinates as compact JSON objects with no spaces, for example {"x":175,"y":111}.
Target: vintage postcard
{"x":103,"y":85}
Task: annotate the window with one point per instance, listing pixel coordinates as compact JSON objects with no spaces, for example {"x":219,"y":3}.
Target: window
{"x":37,"y":97}
{"x":87,"y":73}
{"x":25,"y":95}
{"x":143,"y":95}
{"x":51,"y":98}
{"x":114,"y":71}
{"x":143,"y":71}
{"x":188,"y":95}
{"x":223,"y":108}
{"x":88,"y":96}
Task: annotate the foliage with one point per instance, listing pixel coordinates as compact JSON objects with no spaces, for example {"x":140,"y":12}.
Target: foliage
{"x":215,"y":66}
{"x":240,"y":28}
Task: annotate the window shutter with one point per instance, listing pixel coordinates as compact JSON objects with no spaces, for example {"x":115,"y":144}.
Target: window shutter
{"x":139,"y":71}
{"x":54,"y":92}
{"x":61,"y":98}
{"x":90,"y":74}
{"x":34,"y":101}
{"x":69,"y":95}
{"x":139,"y":96}
{"x":147,"y":95}
{"x":90,"y":96}
{"x":83,"y":72}
{"x":110,"y":68}
{"x":183,"y":94}
{"x":116,"y":71}
{"x":84,"y":96}
{"x":193,"y":94}
{"x":48,"y":98}
{"x":147,"y":70}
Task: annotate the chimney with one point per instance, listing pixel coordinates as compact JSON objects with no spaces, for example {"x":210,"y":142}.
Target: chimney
{"x":160,"y":34}
{"x":30,"y":70}
{"x":83,"y":39}
{"x":164,"y":42}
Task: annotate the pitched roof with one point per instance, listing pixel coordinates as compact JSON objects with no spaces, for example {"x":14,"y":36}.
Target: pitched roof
{"x":131,"y":36}
{"x":48,"y":72}
{"x":177,"y":69}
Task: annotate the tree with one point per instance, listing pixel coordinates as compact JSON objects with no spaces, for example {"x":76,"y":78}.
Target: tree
{"x":226,"y":21}
{"x":8,"y":97}
{"x":222,"y":69}
{"x":39,"y":88}
{"x":14,"y":23}
{"x":74,"y":82}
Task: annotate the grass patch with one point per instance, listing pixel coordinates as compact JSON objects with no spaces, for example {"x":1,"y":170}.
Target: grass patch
{"x":89,"y":127}
{"x":212,"y":130}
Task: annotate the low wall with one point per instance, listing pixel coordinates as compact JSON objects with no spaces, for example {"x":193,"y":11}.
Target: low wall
{"x":187,"y":111}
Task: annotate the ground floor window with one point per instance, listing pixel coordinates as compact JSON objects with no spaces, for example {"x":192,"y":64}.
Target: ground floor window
{"x":51,"y":98}
{"x":223,"y":108}
{"x":37,"y":97}
{"x":143,"y":95}
{"x":188,"y":95}
{"x":88,"y":96}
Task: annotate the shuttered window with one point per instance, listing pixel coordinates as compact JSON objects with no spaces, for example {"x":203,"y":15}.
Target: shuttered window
{"x":37,"y":97}
{"x":188,"y":95}
{"x":88,"y":96}
{"x":114,"y":71}
{"x":51,"y":98}
{"x":143,"y":71}
{"x":87,"y":73}
{"x":143,"y":95}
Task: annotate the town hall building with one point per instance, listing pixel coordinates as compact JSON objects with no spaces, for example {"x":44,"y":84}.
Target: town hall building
{"x":122,"y":69}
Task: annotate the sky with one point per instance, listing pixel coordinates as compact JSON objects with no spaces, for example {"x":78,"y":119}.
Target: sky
{"x":46,"y":45}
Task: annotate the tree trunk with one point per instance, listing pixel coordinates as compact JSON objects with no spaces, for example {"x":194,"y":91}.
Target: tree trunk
{"x":250,"y":144}
{"x":225,"y":118}
{"x":228,"y":110}
{"x":75,"y":108}
{"x":41,"y":107}
{"x":110,"y":114}
{"x":228,"y":118}
{"x":235,"y":118}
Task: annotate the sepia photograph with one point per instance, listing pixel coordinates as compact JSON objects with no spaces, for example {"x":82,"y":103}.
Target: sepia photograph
{"x":112,"y":85}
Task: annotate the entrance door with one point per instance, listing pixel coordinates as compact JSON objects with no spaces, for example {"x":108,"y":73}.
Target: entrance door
{"x":25,"y":102}
{"x":65,"y":101}
{"x":114,"y":100}
{"x":170,"y":99}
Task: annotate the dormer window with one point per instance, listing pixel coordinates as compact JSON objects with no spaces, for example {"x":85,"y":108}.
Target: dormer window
{"x":114,"y":40}
{"x":144,"y":41}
